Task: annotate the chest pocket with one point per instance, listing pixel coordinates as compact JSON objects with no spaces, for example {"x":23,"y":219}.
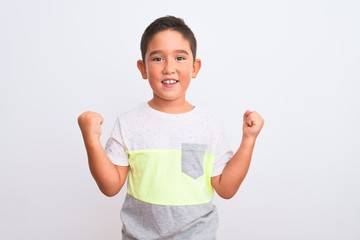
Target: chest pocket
{"x":192,"y":159}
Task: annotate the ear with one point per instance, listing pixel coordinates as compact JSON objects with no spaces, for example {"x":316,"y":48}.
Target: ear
{"x":196,"y":68}
{"x":142,"y":68}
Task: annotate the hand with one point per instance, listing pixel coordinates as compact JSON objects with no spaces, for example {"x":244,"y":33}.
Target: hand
{"x":90,"y":125}
{"x":252,"y":124}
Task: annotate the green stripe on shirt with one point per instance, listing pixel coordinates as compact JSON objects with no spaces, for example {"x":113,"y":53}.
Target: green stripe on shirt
{"x":156,"y":177}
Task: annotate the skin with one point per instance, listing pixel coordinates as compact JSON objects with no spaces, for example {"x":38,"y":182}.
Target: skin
{"x":169,"y":67}
{"x":109,"y":177}
{"x":169,"y":57}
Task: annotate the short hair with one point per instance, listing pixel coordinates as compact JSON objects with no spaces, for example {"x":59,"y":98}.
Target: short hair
{"x":167,"y":23}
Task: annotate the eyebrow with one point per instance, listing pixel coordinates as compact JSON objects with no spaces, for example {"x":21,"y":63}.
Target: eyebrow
{"x":159,"y":52}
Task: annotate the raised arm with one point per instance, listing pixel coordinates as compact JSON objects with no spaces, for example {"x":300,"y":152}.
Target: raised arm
{"x":227,"y":184}
{"x":109,"y":177}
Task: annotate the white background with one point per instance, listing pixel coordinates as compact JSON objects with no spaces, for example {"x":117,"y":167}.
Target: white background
{"x":295,"y":62}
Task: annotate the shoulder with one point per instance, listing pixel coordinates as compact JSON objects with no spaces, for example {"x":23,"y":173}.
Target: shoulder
{"x":209,"y":116}
{"x":135,"y":112}
{"x":209,"y":120}
{"x":131,"y":117}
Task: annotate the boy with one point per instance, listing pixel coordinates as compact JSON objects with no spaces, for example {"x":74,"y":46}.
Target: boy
{"x":172,"y":153}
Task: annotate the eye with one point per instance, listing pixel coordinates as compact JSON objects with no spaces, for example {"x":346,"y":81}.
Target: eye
{"x":157,"y":59}
{"x":180,"y":58}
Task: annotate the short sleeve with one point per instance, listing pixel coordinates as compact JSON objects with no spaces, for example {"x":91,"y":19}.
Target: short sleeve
{"x":222,"y":152}
{"x":115,"y":147}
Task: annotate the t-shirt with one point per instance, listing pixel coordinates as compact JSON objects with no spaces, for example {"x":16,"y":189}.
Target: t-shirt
{"x":172,"y":158}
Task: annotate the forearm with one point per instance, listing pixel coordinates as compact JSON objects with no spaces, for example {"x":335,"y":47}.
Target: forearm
{"x":102,"y":169}
{"x":236,"y":169}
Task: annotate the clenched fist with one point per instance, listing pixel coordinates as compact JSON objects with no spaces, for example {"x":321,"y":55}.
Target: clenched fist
{"x":90,"y":125}
{"x":253,"y":123}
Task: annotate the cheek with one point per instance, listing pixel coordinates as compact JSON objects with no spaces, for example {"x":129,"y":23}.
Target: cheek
{"x":152,"y":70}
{"x":188,"y":72}
{"x":152,"y":75}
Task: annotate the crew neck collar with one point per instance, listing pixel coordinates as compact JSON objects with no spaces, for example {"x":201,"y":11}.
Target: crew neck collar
{"x":169,"y":115}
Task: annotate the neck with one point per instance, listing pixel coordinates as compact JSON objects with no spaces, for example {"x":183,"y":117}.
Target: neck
{"x":171,"y":106}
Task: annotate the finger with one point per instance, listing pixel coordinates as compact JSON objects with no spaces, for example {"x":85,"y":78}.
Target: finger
{"x":250,"y":122}
{"x":98,"y":118}
{"x":246,"y":114}
{"x":257,"y":119}
{"x":248,"y":118}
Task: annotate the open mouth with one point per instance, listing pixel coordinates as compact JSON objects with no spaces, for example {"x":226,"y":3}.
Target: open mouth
{"x":169,"y":81}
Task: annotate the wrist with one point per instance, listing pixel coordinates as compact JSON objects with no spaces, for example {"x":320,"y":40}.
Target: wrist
{"x":92,"y":142}
{"x":248,"y":141}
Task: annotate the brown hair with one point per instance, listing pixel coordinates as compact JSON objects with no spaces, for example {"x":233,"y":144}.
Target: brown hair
{"x":167,"y":23}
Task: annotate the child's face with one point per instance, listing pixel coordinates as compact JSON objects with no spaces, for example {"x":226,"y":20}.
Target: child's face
{"x":169,"y":66}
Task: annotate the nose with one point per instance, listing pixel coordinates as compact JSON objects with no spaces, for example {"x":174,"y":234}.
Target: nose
{"x":169,"y":67}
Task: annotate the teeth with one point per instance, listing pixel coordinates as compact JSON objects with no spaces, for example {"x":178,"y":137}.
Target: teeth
{"x":169,"y":81}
